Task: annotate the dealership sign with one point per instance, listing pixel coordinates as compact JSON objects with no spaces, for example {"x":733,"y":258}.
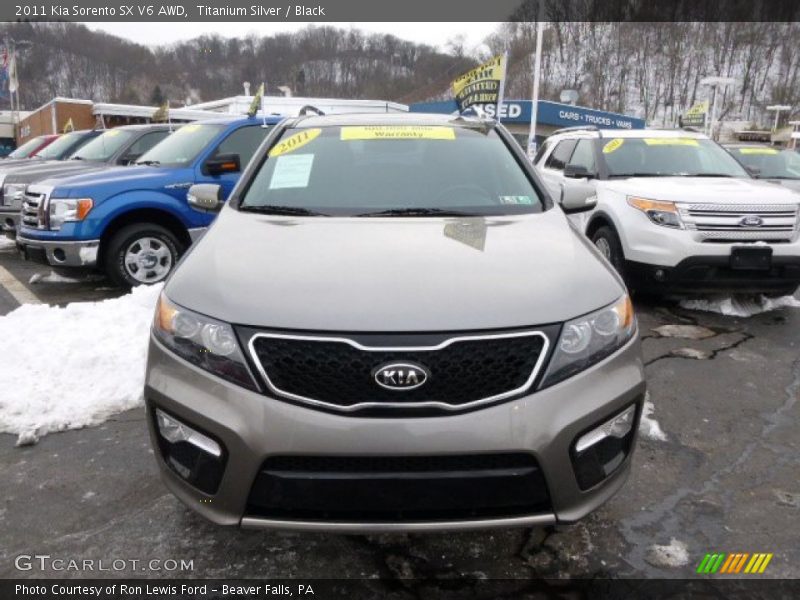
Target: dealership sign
{"x":549,"y":113}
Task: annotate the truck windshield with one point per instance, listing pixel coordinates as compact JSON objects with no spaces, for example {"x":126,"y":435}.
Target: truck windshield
{"x":25,"y":150}
{"x":104,"y":146}
{"x":57,"y":149}
{"x":666,"y":157}
{"x":391,"y":170}
{"x":182,"y":147}
{"x":770,"y":162}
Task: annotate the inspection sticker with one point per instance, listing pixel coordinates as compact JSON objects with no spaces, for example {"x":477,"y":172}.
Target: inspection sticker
{"x":398,"y":132}
{"x":612,"y":145}
{"x":758,"y":151}
{"x":670,"y":142}
{"x":291,"y":171}
{"x":293,"y":142}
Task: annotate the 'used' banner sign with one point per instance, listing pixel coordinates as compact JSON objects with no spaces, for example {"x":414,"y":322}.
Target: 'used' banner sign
{"x":481,"y":85}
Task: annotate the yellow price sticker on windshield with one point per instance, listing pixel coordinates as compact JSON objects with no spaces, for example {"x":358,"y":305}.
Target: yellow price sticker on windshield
{"x":111,"y":133}
{"x":293,"y":142}
{"x":398,"y":132}
{"x":670,"y":142}
{"x":188,"y":129}
{"x":613,"y":145}
{"x":758,"y":151}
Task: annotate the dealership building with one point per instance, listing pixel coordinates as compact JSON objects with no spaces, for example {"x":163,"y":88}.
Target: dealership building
{"x":550,"y":116}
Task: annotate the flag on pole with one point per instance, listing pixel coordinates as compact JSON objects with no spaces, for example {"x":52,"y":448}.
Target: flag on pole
{"x":696,"y":115}
{"x":68,"y":126}
{"x":13,"y":82}
{"x":481,"y":85}
{"x":256,"y":103}
{"x":161,"y":114}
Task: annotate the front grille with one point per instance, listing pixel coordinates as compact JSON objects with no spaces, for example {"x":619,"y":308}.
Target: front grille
{"x":33,"y":206}
{"x":738,"y":222}
{"x":340,"y":373}
{"x":399,"y":488}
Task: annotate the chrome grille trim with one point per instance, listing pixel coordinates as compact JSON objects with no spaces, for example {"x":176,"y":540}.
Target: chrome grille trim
{"x":720,"y":222}
{"x":34,"y":205}
{"x":431,"y":404}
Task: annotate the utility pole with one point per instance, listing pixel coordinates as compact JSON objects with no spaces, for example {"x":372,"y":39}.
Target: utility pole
{"x":778,"y":108}
{"x":537,"y":67}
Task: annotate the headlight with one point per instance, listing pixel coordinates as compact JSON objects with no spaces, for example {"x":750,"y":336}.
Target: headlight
{"x":66,"y":210}
{"x":659,"y":212}
{"x":205,"y":342}
{"x":589,"y":339}
{"x":13,"y":193}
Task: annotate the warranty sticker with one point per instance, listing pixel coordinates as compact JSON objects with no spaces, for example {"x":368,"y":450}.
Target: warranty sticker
{"x":293,"y":142}
{"x":670,"y":142}
{"x":758,"y":151}
{"x":398,"y":132}
{"x":612,"y":145}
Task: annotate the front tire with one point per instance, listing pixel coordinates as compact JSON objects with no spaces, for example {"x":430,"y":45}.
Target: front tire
{"x":142,"y":253}
{"x":607,"y":242}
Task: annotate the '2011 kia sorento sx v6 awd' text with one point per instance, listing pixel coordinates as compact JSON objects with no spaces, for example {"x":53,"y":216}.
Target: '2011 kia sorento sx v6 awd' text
{"x":389,"y":326}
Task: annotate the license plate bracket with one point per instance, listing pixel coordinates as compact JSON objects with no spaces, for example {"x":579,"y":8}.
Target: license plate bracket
{"x":751,"y":259}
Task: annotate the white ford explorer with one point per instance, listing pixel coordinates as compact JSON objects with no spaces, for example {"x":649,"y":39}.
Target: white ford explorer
{"x":675,"y":212}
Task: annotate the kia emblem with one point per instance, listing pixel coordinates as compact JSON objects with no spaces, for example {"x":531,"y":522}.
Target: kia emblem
{"x":400,"y":377}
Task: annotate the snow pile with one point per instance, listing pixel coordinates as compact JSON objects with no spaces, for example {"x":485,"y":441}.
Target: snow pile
{"x":6,"y":244}
{"x":740,"y":306}
{"x":674,"y":554}
{"x":66,"y":368}
{"x":648,"y":426}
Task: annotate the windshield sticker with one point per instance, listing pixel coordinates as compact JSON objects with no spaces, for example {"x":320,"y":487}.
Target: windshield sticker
{"x":516,"y":200}
{"x":293,"y":142}
{"x":758,"y":151}
{"x":398,"y":132}
{"x":670,"y":142}
{"x":612,"y":145}
{"x":188,"y":129}
{"x":110,"y":133}
{"x":291,"y":172}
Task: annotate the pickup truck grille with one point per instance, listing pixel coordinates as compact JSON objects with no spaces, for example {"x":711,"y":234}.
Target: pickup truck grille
{"x":738,"y":222}
{"x":33,"y":206}
{"x":465,"y":371}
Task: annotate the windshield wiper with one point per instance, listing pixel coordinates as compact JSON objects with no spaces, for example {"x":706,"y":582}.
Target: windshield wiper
{"x":76,"y":158}
{"x":416,"y":212}
{"x":708,"y":175}
{"x":778,"y":177}
{"x":148,"y":163}
{"x":269,"y":209}
{"x":641,"y":175}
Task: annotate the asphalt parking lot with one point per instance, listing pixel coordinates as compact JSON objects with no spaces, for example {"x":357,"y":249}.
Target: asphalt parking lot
{"x":721,"y":478}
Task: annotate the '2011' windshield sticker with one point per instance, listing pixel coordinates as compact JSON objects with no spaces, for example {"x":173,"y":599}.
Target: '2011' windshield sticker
{"x":293,"y":142}
{"x":758,"y":151}
{"x":613,"y":145}
{"x":188,"y":129}
{"x":291,"y":171}
{"x":398,"y":132}
{"x":516,"y":200}
{"x":670,"y":142}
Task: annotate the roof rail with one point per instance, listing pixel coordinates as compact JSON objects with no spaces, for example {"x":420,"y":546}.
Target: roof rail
{"x":579,"y":128}
{"x":309,"y":108}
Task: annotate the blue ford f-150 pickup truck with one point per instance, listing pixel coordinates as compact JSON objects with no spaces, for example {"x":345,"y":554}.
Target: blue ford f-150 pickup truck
{"x":135,"y":222}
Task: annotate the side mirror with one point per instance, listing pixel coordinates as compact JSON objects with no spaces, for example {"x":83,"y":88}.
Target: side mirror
{"x":129,"y":159}
{"x":754,"y":171}
{"x":572,"y":171}
{"x":223,"y":163}
{"x":205,"y":197}
{"x":578,"y":196}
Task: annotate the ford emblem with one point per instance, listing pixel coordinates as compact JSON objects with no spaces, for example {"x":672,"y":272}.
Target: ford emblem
{"x":400,"y":377}
{"x":751,"y":221}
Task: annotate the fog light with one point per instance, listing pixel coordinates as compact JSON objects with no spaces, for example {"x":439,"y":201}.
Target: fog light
{"x":174,"y":431}
{"x":598,"y":453}
{"x":617,"y":427}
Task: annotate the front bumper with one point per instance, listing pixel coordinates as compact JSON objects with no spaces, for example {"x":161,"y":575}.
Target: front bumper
{"x":252,"y":427}
{"x":58,"y":253}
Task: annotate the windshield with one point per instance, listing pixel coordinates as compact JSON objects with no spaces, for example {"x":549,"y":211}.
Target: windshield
{"x":770,"y":162}
{"x":182,"y":146}
{"x":104,"y":146}
{"x":392,"y":170}
{"x":668,"y":156}
{"x":65,"y":142}
{"x":25,"y":150}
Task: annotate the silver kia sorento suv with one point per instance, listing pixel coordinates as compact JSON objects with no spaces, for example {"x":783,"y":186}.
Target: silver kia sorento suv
{"x":390,"y":327}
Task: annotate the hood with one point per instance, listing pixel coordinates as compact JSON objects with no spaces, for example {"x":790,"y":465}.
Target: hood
{"x":791,"y":184}
{"x":393,"y":274}
{"x":99,"y":183}
{"x":725,"y":190}
{"x":8,"y":165}
{"x":52,"y":168}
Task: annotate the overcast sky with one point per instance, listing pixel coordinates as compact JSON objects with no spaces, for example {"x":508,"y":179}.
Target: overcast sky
{"x":435,"y":34}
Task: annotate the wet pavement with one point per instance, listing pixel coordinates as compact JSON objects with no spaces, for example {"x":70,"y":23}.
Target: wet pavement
{"x":716,"y":472}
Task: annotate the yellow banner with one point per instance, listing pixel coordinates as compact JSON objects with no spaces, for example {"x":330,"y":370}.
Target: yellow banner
{"x":398,"y":132}
{"x":699,"y":108}
{"x":481,"y":85}
{"x":758,"y":151}
{"x":670,"y":142}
